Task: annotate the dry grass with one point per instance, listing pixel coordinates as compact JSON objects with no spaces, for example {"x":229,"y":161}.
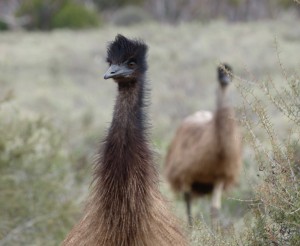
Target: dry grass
{"x":59,"y":75}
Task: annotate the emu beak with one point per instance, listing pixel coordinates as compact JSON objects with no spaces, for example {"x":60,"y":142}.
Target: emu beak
{"x":226,"y":80}
{"x":117,"y":71}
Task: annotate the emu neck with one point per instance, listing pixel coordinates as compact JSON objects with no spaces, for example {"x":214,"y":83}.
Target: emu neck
{"x":126,"y":146}
{"x":224,"y":121}
{"x":224,"y":114}
{"x":125,"y":171}
{"x":128,"y":118}
{"x":124,"y":174}
{"x":223,"y":98}
{"x":126,"y":162}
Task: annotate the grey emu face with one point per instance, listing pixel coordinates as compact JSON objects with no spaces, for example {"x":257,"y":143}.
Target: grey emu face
{"x":126,"y":58}
{"x":224,"y":74}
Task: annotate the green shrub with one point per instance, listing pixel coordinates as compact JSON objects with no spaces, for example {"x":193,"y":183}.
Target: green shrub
{"x":49,"y":14}
{"x":286,"y":3}
{"x":130,"y":15}
{"x":235,"y":2}
{"x":36,"y":207}
{"x":3,"y":26}
{"x":40,"y":12}
{"x":74,"y":16}
{"x":104,"y":4}
{"x":277,"y":209}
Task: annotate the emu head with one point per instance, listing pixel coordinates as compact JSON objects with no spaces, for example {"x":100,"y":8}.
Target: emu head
{"x":126,"y":59}
{"x":224,"y":74}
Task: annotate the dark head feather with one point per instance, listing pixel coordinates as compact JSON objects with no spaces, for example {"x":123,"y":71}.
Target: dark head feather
{"x":224,"y":68}
{"x":122,"y":50}
{"x":224,"y":74}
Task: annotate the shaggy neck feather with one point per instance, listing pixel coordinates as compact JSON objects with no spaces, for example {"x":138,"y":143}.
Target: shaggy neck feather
{"x":125,"y":172}
{"x":126,"y":152}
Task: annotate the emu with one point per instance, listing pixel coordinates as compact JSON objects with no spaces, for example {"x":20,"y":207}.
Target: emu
{"x":204,"y":157}
{"x":125,"y":207}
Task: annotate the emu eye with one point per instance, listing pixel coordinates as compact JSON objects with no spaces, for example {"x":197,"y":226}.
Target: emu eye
{"x":131,"y":64}
{"x":108,"y":61}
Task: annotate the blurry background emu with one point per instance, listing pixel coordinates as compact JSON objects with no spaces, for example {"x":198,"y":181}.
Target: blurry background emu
{"x":125,"y":207}
{"x":205,"y":154}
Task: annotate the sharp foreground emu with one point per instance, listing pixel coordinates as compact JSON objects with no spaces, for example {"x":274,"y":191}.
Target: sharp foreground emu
{"x":205,"y":154}
{"x":125,"y":207}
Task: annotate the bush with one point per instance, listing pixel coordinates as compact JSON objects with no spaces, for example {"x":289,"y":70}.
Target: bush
{"x":74,"y":16}
{"x":49,"y":14}
{"x":3,"y":26}
{"x":286,"y":3}
{"x":277,"y":209}
{"x":36,"y":207}
{"x":235,"y":3}
{"x":130,"y":15}
{"x":40,"y":12}
{"x":105,"y":4}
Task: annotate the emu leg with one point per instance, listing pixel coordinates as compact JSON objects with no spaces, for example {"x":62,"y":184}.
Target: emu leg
{"x":216,"y":203}
{"x":187,"y":198}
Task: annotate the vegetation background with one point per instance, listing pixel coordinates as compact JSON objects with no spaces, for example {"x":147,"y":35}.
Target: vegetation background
{"x":55,"y":107}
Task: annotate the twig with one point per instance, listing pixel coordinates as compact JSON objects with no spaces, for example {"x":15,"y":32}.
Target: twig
{"x":243,"y":200}
{"x":295,"y":211}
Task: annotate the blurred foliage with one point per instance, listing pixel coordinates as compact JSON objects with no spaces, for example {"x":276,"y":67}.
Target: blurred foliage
{"x":49,"y":14}
{"x":277,"y":210}
{"x":3,"y":26}
{"x":296,"y":157}
{"x":232,"y":10}
{"x":286,"y":3}
{"x":130,"y":15}
{"x":40,"y":12}
{"x":74,"y":16}
{"x":34,"y":179}
{"x":235,"y":2}
{"x":106,"y":4}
